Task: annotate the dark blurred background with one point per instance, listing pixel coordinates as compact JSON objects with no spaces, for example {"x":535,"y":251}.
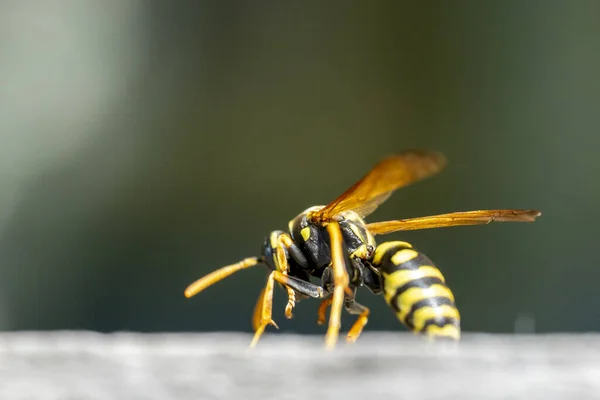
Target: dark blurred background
{"x":146,"y":143}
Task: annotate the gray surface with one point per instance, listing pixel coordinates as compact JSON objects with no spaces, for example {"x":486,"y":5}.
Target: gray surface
{"x":65,"y":365}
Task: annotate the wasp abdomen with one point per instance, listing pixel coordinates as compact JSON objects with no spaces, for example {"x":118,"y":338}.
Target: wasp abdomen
{"x":417,"y":291}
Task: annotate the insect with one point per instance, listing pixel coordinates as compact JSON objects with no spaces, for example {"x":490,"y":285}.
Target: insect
{"x":333,"y":243}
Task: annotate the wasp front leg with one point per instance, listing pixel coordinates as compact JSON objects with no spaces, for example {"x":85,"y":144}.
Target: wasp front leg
{"x":263,"y":313}
{"x":279,"y":251}
{"x":264,"y":308}
{"x":285,"y":244}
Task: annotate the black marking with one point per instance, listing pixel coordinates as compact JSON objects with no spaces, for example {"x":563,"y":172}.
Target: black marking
{"x":297,"y":255}
{"x":315,"y":248}
{"x":412,"y":264}
{"x":432,"y":302}
{"x":352,"y":240}
{"x":371,"y":279}
{"x":439,"y":321}
{"x":355,"y":268}
{"x":385,"y":261}
{"x":388,"y":266}
{"x":418,"y":283}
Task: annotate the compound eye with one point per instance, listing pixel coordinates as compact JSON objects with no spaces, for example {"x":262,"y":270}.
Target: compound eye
{"x":267,"y":254}
{"x":264,"y":246}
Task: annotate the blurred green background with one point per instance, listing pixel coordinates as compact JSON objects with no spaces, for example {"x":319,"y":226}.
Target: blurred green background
{"x":146,"y":143}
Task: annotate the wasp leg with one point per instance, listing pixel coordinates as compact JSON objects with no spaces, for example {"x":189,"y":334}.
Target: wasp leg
{"x":306,"y":288}
{"x":323,"y":310}
{"x":285,"y":242}
{"x":266,"y":314}
{"x":340,"y":282}
{"x":218,"y":275}
{"x":353,"y":308}
{"x":363,"y":317}
{"x":264,"y":307}
{"x":290,"y":304}
{"x":257,"y":314}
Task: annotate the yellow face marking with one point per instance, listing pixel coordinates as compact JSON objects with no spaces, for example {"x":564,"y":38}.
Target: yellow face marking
{"x":446,"y":330}
{"x":383,"y":248}
{"x":305,"y":232}
{"x":403,"y":256}
{"x":425,"y":313}
{"x":273,"y":240}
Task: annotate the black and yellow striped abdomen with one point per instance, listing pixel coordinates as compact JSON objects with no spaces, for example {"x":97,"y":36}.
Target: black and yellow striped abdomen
{"x":416,"y":290}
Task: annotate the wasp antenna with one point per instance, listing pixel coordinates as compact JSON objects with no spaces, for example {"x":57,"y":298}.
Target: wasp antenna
{"x":219,"y":275}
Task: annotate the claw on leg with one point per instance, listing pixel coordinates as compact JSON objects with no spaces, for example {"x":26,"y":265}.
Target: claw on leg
{"x":358,"y":326}
{"x":260,"y":331}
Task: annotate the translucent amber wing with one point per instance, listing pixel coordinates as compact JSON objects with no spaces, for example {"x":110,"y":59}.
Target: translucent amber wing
{"x":479,"y":217}
{"x":378,"y":184}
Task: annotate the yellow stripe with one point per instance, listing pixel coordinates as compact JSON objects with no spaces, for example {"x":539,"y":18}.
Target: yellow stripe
{"x":448,"y":330}
{"x":403,"y":256}
{"x":425,"y":313}
{"x":357,"y":231}
{"x":383,"y":248}
{"x":413,"y":295}
{"x":401,"y":277}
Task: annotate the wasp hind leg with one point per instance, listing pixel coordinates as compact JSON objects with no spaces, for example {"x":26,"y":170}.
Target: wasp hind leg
{"x":363,"y":317}
{"x":353,"y":308}
{"x":323,"y":310}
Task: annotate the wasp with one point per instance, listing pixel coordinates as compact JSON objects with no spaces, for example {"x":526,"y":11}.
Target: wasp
{"x":333,"y":243}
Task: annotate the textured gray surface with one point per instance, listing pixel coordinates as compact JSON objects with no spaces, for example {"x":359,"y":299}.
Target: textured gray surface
{"x":66,"y":365}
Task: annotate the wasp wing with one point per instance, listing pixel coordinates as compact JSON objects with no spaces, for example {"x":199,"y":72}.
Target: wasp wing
{"x":378,"y":184}
{"x":479,"y":217}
